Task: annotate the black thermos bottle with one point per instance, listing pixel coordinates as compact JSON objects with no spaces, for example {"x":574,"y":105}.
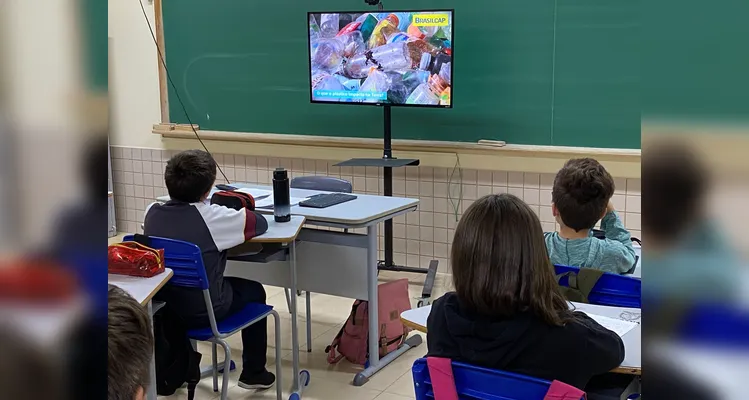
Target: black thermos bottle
{"x":281,"y":198}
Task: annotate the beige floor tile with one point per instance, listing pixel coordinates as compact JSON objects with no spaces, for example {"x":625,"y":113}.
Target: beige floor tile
{"x":401,"y":365}
{"x":317,"y":362}
{"x":390,"y":396}
{"x":329,"y":382}
{"x":204,"y":391}
{"x":338,"y":391}
{"x":326,"y":310}
{"x":404,"y":386}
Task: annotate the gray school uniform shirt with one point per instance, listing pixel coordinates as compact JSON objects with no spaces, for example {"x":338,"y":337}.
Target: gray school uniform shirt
{"x":613,"y":254}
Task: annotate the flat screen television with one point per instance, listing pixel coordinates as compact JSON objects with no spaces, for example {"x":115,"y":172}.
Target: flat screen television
{"x":398,"y":58}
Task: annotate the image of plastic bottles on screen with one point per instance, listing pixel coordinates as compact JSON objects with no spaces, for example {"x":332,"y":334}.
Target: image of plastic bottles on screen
{"x":383,"y":58}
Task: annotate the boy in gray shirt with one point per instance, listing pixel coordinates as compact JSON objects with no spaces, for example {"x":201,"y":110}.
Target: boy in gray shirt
{"x":580,"y":197}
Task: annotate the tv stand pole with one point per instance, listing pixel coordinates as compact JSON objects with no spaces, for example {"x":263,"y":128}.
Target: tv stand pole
{"x":388,"y":162}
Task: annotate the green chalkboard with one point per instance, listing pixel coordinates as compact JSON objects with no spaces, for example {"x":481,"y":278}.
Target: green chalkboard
{"x":93,"y":14}
{"x":545,"y":72}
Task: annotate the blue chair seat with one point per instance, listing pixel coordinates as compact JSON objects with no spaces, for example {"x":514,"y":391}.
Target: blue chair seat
{"x":233,"y":322}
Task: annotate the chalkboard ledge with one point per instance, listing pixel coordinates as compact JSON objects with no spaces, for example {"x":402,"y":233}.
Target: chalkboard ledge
{"x":183,"y":131}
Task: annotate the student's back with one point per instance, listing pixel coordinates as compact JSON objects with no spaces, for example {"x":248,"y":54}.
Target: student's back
{"x":189,"y":177}
{"x":523,"y":343}
{"x":190,"y":222}
{"x":580,"y":197}
{"x":507,"y":311}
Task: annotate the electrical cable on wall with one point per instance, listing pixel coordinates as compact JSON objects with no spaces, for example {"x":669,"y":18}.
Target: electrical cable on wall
{"x":459,"y":169}
{"x":174,"y":87}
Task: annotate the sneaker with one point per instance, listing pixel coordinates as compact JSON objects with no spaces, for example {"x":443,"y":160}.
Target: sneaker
{"x":263,"y":380}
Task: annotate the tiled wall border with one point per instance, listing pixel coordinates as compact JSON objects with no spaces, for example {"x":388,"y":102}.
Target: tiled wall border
{"x":418,"y":236}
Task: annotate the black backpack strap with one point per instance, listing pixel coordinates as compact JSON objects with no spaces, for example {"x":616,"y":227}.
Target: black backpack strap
{"x":142,"y":239}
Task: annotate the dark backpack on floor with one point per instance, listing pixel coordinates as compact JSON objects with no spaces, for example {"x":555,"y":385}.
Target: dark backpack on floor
{"x":176,"y":361}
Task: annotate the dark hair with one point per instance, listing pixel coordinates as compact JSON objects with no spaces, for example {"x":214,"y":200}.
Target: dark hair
{"x":130,"y":342}
{"x":675,"y":182}
{"x":96,"y":167}
{"x":189,"y":175}
{"x":582,"y":190}
{"x":499,"y":262}
{"x":21,"y":355}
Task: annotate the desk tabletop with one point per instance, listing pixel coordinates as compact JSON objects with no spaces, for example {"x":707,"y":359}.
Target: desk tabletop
{"x":280,"y":232}
{"x":361,"y":211}
{"x":632,"y":364}
{"x":142,"y":289}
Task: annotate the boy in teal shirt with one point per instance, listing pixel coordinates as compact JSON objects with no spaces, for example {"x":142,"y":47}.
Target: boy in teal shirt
{"x":580,"y":197}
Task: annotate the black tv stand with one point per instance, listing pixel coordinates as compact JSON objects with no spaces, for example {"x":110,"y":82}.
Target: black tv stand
{"x":388,"y":162}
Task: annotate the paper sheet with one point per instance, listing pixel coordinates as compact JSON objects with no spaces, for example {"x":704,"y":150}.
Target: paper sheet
{"x":620,"y":326}
{"x":256,"y":193}
{"x":268,"y":202}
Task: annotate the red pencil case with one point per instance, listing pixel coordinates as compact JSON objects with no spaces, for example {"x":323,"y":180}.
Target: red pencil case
{"x":135,"y":259}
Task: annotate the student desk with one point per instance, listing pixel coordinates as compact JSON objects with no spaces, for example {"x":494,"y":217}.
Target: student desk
{"x":143,"y":290}
{"x":337,"y":263}
{"x":283,"y":233}
{"x":632,"y":364}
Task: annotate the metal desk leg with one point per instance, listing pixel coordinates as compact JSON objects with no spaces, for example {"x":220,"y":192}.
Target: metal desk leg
{"x":309,"y":322}
{"x":375,"y":363}
{"x":151,"y":394}
{"x":301,"y":378}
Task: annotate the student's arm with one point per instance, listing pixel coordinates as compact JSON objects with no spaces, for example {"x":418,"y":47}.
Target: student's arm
{"x":604,"y":349}
{"x":620,"y":253}
{"x":229,"y":227}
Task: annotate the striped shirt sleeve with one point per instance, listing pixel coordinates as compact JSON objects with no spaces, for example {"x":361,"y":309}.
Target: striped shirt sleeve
{"x":229,"y":227}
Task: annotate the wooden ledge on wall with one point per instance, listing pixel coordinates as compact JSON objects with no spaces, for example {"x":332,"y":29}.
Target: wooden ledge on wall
{"x":622,"y":163}
{"x":183,"y":131}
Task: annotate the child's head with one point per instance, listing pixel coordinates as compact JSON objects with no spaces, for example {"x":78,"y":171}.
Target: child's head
{"x":582,"y":191}
{"x":130,"y":343}
{"x":499,"y":261}
{"x":189,"y":175}
{"x":676,"y":181}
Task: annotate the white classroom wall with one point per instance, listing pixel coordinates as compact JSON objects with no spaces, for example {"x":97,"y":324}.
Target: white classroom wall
{"x":134,"y":81}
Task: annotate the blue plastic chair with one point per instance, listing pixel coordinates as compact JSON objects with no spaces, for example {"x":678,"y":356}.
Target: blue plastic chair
{"x":611,"y":290}
{"x":476,"y":383}
{"x":186,"y":261}
{"x":716,"y":325}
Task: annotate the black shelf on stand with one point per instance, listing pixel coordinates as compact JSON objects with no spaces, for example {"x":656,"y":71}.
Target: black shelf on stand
{"x":388,"y":162}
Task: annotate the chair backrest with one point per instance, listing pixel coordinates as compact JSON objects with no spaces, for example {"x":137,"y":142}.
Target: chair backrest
{"x":324,"y":183}
{"x":610,"y":290}
{"x":478,"y":383}
{"x":715,"y":324}
{"x":185,"y":259}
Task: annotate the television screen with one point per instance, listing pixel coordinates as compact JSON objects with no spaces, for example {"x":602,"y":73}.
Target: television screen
{"x":384,"y":58}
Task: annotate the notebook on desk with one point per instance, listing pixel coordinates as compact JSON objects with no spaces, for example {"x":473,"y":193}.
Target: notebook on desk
{"x":618,"y":326}
{"x":267,"y":203}
{"x":257,"y":194}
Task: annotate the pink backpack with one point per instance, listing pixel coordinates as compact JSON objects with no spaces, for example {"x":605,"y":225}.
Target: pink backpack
{"x":352,"y":341}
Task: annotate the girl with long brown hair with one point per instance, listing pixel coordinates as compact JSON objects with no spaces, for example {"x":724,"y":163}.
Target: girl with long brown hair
{"x":507,"y":311}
